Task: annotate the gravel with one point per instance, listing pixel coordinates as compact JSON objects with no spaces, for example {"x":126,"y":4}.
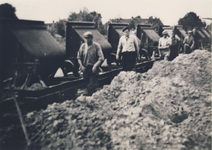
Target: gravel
{"x":168,"y":107}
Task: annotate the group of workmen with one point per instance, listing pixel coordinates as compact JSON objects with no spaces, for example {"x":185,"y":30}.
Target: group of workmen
{"x":171,"y":46}
{"x":90,"y":55}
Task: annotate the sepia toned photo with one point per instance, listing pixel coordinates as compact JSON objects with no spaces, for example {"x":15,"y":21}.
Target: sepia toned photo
{"x":105,"y":75}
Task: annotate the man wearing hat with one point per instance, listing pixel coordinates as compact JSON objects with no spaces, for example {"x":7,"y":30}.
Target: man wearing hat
{"x":188,"y":43}
{"x":163,"y":44}
{"x":128,"y":48}
{"x":90,"y":57}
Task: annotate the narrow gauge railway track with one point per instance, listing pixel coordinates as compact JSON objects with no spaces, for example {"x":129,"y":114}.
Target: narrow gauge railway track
{"x":64,"y":88}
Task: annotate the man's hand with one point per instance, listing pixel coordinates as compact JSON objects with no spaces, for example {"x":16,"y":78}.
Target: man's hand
{"x":117,"y":57}
{"x":191,"y":47}
{"x":94,"y":69}
{"x":82,"y":68}
{"x":153,"y":58}
{"x":138,"y":59}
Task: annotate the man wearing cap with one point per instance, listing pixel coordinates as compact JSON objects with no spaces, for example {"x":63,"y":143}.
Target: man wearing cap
{"x":163,"y":44}
{"x":128,"y":48}
{"x":188,"y":43}
{"x":90,"y":57}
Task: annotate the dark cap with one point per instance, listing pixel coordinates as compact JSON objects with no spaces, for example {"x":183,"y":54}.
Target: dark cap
{"x":125,"y":28}
{"x":88,"y":34}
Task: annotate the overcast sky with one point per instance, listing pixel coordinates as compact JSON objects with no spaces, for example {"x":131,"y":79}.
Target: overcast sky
{"x":169,"y":11}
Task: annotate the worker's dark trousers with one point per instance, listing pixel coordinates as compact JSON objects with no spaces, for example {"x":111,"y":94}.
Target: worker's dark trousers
{"x":173,"y":52}
{"x":187,"y":49}
{"x":91,"y":80}
{"x":128,"y":60}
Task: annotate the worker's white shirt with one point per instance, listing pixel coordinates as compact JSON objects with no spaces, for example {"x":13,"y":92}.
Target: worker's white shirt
{"x":128,"y":44}
{"x":164,"y":42}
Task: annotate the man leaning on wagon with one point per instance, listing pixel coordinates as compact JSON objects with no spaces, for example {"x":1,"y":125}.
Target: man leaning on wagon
{"x":90,"y":57}
{"x":188,"y":43}
{"x":128,"y":49}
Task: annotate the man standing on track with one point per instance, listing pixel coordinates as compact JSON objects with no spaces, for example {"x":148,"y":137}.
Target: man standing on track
{"x":128,"y":49}
{"x":90,"y":57}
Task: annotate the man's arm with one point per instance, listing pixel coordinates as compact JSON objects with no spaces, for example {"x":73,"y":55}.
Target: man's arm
{"x":185,"y":41}
{"x":159,"y":44}
{"x":201,"y":45}
{"x":100,"y":59}
{"x":168,"y":43}
{"x":82,"y":68}
{"x":153,"y":55}
{"x":193,"y":42}
{"x":137,"y":48}
{"x":119,"y":48}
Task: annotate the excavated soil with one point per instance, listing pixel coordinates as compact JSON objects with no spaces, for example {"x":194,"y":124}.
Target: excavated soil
{"x":166,"y":108}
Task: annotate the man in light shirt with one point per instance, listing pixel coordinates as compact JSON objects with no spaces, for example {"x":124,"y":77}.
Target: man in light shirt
{"x":163,"y":44}
{"x":90,"y":57}
{"x":129,"y":50}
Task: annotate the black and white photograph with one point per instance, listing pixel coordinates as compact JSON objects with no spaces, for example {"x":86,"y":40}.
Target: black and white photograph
{"x":105,"y":74}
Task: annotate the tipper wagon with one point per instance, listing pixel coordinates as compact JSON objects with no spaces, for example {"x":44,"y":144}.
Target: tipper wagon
{"x":31,"y":58}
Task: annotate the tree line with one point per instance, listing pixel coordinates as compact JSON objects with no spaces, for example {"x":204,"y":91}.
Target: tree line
{"x":190,"y":19}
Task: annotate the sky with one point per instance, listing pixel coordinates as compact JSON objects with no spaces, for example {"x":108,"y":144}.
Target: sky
{"x":169,"y":11}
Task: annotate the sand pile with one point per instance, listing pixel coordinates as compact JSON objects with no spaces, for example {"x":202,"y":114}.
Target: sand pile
{"x":168,"y":107}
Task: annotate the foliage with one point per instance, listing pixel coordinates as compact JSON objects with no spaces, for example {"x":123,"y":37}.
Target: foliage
{"x":52,"y":29}
{"x":156,"y":22}
{"x":61,"y":27}
{"x":85,"y":15}
{"x":132,"y":24}
{"x":58,"y":27}
{"x":7,"y":11}
{"x":192,"y":20}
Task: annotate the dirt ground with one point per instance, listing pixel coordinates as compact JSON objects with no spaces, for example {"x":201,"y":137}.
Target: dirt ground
{"x":166,"y":108}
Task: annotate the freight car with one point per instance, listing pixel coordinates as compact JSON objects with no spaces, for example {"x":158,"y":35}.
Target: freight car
{"x":148,"y":37}
{"x":180,"y":33}
{"x":30,"y":58}
{"x":204,"y":38}
{"x":115,"y":32}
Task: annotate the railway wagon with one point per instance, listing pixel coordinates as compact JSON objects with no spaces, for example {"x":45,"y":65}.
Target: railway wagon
{"x":180,"y":32}
{"x":148,"y":37}
{"x":203,"y":39}
{"x":161,"y":28}
{"x":74,"y":38}
{"x":208,"y":37}
{"x":30,"y":56}
{"x":114,"y":34}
